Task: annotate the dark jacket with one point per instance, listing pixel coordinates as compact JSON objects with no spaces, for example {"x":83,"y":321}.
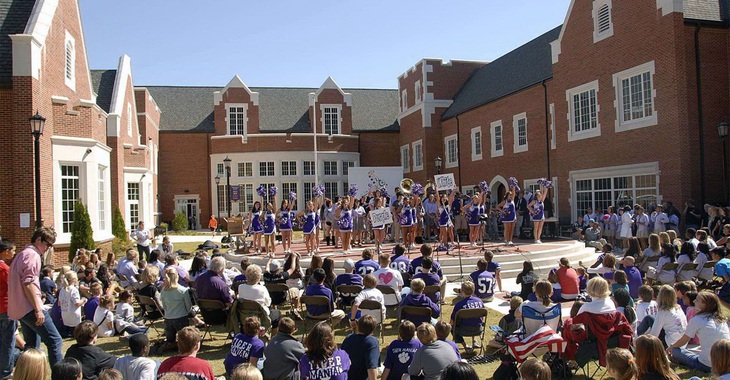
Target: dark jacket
{"x":92,"y":358}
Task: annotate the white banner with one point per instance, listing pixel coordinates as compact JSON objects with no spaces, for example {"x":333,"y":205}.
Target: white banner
{"x":369,"y":179}
{"x":381,"y":217}
{"x":445,"y":181}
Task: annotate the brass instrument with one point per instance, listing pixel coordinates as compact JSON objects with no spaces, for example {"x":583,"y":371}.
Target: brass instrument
{"x":405,"y":185}
{"x":429,"y":185}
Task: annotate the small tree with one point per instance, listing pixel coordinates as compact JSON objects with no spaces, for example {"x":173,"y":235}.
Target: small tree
{"x":82,"y":235}
{"x":118,"y":228}
{"x":180,"y":223}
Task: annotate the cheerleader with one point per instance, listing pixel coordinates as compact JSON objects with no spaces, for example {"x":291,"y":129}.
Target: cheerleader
{"x":358,"y":222}
{"x":446,"y":223}
{"x":257,"y":230}
{"x":472,"y":212}
{"x":418,"y":214}
{"x":378,"y":229}
{"x":405,"y":219}
{"x":509,"y":216}
{"x":269,"y":230}
{"x":330,"y":223}
{"x":343,"y":215}
{"x":285,"y":224}
{"x":537,"y":212}
{"x":309,"y":228}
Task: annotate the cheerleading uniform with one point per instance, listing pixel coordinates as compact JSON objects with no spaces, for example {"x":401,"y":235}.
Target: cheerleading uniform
{"x":285,"y":220}
{"x":406,"y":217}
{"x":310,"y":222}
{"x":414,"y":216}
{"x":256,"y":227}
{"x":269,"y":223}
{"x":474,"y":213}
{"x":345,"y":221}
{"x":538,"y":211}
{"x":445,"y":217}
{"x":508,"y":212}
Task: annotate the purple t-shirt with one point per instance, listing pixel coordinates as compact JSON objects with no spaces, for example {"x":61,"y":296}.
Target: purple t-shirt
{"x":420,"y":300}
{"x":399,"y":355}
{"x":243,"y":348}
{"x":400,"y":263}
{"x":430,"y":279}
{"x":468,"y":303}
{"x":90,"y":308}
{"x":453,"y":345}
{"x":483,"y":283}
{"x":415,"y":267}
{"x":364,"y":267}
{"x":348,"y":279}
{"x":319,"y":290}
{"x":635,"y":280}
{"x":332,"y":368}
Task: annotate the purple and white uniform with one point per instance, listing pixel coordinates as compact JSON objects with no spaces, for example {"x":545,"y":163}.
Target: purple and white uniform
{"x":400,"y":263}
{"x":310,"y":222}
{"x":483,"y":284}
{"x":269,"y":223}
{"x":406,"y":216}
{"x":474,"y":213}
{"x":508,"y":212}
{"x":285,"y":220}
{"x":538,"y":214}
{"x":256,"y":226}
{"x":345,"y":221}
{"x":445,"y":217}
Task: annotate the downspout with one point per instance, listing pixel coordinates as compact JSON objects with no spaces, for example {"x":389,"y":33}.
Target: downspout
{"x":700,"y":116}
{"x":458,"y":150}
{"x":547,"y":130}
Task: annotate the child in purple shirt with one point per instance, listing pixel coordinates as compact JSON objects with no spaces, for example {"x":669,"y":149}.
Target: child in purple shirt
{"x":399,"y":262}
{"x":367,"y":265}
{"x":246,"y":347}
{"x":400,"y":352}
{"x":429,"y":278}
{"x":426,"y":251}
{"x":471,"y":325}
{"x":417,"y":298}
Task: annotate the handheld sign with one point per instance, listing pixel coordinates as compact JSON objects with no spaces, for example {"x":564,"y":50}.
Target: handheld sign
{"x":445,"y":181}
{"x":381,"y":217}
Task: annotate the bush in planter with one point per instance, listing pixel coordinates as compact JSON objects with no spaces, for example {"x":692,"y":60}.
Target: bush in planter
{"x":118,"y":228}
{"x":82,"y":235}
{"x":180,"y":223}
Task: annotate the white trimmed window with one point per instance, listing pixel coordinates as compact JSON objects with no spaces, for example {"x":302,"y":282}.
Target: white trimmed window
{"x":221,"y":170}
{"x":403,"y":100}
{"x":237,"y":119}
{"x":288,"y":168}
{"x":635,"y":97}
{"x":222,"y":199}
{"x":583,"y":111}
{"x":346,"y":165}
{"x":101,"y":197}
{"x":308,"y":167}
{"x":330,"y":190}
{"x":519,"y":125}
{"x":70,"y":61}
{"x":417,"y":90}
{"x":245,"y":169}
{"x":133,"y":204}
{"x":405,"y":158}
{"x":418,"y":155}
{"x":497,"y":142}
{"x":247,"y":198}
{"x":451,"y":151}
{"x":70,"y":187}
{"x":129,"y":119}
{"x":476,"y":144}
{"x":266,"y":169}
{"x":331,"y":119}
{"x":330,"y":168}
{"x":553,"y":132}
{"x":308,"y":191}
{"x":602,"y":22}
{"x":286,"y":188}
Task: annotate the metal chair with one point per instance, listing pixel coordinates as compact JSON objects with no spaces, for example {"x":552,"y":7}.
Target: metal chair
{"x":279,"y":288}
{"x":647,"y":261}
{"x":669,"y":267}
{"x":387,"y":290}
{"x":465,"y":314}
{"x":430,"y":292}
{"x":686,"y":272}
{"x":152,"y":311}
{"x":348,"y":292}
{"x":408,"y":312}
{"x":214,"y":312}
{"x":322,"y":301}
{"x":375,"y":305}
{"x":248,"y":308}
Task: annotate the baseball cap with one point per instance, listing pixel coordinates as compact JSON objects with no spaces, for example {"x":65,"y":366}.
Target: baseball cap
{"x":348,"y":264}
{"x":274,"y":265}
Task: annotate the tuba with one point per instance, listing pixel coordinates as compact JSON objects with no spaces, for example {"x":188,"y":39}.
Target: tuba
{"x":405,"y":185}
{"x":429,"y":186}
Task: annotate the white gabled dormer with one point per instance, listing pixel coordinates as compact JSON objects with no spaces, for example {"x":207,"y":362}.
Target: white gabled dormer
{"x":330,"y":115}
{"x":236,"y":113}
{"x":119,"y":107}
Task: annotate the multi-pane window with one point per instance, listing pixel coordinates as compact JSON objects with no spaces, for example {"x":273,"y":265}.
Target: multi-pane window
{"x":346,"y":165}
{"x":247,"y":195}
{"x":288,"y":187}
{"x":266,"y":169}
{"x":69,"y":194}
{"x":308,"y":167}
{"x":133,"y":202}
{"x":288,"y":168}
{"x":405,"y":158}
{"x":636,"y":97}
{"x":497,"y":146}
{"x":418,"y":155}
{"x":476,"y":143}
{"x":221,"y":170}
{"x":452,"y":151}
{"x":222,"y":199}
{"x":599,"y":193}
{"x":101,"y":198}
{"x":245,"y":169}
{"x":417,"y":90}
{"x":331,"y":120}
{"x":237,"y":120}
{"x":585,"y":111}
{"x":330,"y":168}
{"x":330,"y":190}
{"x":308,"y":186}
{"x":519,"y":124}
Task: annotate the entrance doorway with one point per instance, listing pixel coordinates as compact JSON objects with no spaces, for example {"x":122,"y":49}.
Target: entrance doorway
{"x":188,"y":205}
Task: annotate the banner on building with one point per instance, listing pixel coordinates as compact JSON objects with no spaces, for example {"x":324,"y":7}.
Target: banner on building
{"x":369,"y":179}
{"x":445,"y":181}
{"x":235,"y":193}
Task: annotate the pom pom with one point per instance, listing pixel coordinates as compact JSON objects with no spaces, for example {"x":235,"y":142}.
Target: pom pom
{"x":292,"y":196}
{"x":513,"y":183}
{"x":384,"y":192}
{"x":484,"y":187}
{"x":353,"y":190}
{"x":273,"y":190}
{"x":261,"y":190}
{"x":318,"y":190}
{"x":548,"y":184}
{"x":417,"y":189}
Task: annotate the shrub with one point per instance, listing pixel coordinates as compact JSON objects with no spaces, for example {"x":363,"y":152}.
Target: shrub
{"x":180,"y":223}
{"x":118,"y":228}
{"x":120,"y":246}
{"x":82,"y":235}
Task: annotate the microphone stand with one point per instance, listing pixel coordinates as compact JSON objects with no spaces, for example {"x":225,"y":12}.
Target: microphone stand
{"x":461,"y":264}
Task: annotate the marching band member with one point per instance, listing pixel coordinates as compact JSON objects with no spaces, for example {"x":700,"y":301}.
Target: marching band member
{"x":405,"y":218}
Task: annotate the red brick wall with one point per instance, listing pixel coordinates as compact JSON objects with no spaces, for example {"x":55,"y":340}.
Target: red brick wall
{"x":448,"y":79}
{"x":379,"y":149}
{"x":220,"y":113}
{"x":278,"y":142}
{"x":334,"y":97}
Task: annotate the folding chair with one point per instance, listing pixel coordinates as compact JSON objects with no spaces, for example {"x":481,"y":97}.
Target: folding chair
{"x":214,"y":312}
{"x":686,"y":272}
{"x":707,"y":272}
{"x":540,"y":330}
{"x":247,"y":308}
{"x":387,"y":290}
{"x":123,"y":279}
{"x":152,"y":311}
{"x":465,"y":314}
{"x":430,"y":292}
{"x":375,"y":305}
{"x":648,"y":261}
{"x":322,"y":301}
{"x":279,"y":288}
{"x":408,"y":312}
{"x":669,"y":267}
{"x":235,"y":286}
{"x":348,"y":291}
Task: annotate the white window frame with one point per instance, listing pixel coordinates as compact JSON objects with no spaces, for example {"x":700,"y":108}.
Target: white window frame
{"x":244,"y":168}
{"x":405,"y":158}
{"x":269,"y":170}
{"x":515,"y":124}
{"x":338,"y":117}
{"x":576,"y":91}
{"x":311,"y":165}
{"x":418,"y":91}
{"x":417,"y":155}
{"x":403,"y":100}
{"x":229,"y":107}
{"x":346,"y":165}
{"x":449,"y":163}
{"x":646,"y":121}
{"x":330,"y":168}
{"x":247,"y":198}
{"x":290,"y":171}
{"x":493,"y":137}
{"x":68,"y":204}
{"x":133,"y":202}
{"x":553,"y":129}
{"x":476,"y":142}
{"x":597,"y":6}
{"x":101,"y":197}
{"x":129,"y":119}
{"x":69,"y":59}
{"x":220,"y":170}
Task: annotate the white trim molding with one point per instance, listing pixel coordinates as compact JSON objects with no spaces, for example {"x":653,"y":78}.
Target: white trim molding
{"x":591,"y":89}
{"x":228,"y":107}
{"x":405,"y":158}
{"x":235,"y":82}
{"x":646,"y":121}
{"x":493,"y":133}
{"x":447,"y":162}
{"x":553,"y":128}
{"x":69,"y":43}
{"x":670,"y":6}
{"x":519,"y":148}
{"x":416,"y":153}
{"x":322,"y":106}
{"x":477,"y":137}
{"x":599,"y":7}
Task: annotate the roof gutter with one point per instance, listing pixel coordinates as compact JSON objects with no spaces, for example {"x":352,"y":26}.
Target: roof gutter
{"x":700,"y":113}
{"x":458,"y":149}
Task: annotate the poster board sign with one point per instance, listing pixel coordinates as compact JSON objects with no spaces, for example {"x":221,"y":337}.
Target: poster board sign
{"x":381,"y":217}
{"x":445,"y":181}
{"x":369,"y":179}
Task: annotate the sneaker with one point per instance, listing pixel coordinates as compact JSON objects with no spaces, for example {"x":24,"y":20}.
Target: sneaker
{"x":510,"y":243}
{"x":538,"y":241}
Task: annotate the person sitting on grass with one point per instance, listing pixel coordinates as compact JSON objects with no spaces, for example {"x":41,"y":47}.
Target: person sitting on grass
{"x":95,"y":291}
{"x":363,"y":349}
{"x":508,"y":323}
{"x":535,"y":369}
{"x":443,"y":330}
{"x":417,"y":298}
{"x":124,"y":320}
{"x":137,"y":366}
{"x":92,"y":358}
{"x":246,"y":372}
{"x":400,"y":352}
{"x":187,"y":363}
{"x":246,"y":347}
{"x":468,"y":326}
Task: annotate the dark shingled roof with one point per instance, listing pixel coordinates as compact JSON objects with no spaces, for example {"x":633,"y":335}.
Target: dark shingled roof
{"x":706,"y":10}
{"x":190,"y":109}
{"x":14,"y":15}
{"x":521,"y":68}
{"x":102,"y":82}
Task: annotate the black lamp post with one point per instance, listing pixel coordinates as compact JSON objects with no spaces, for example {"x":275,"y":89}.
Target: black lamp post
{"x":722,"y":130}
{"x":438,"y":162}
{"x":217,"y":194}
{"x":37,"y":122}
{"x":227,"y":162}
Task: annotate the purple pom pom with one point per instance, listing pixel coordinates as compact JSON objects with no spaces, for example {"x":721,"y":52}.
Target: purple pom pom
{"x":292,"y":196}
{"x":353,"y":190}
{"x":484,"y":187}
{"x":273,"y":190}
{"x":417,"y":189}
{"x":512,"y":181}
{"x":318,"y":190}
{"x":261,"y":190}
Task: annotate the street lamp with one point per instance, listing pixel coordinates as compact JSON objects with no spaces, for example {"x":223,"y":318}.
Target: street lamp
{"x":218,"y":194}
{"x":227,"y":163}
{"x":722,"y":130}
{"x":438,"y":161}
{"x":37,"y":122}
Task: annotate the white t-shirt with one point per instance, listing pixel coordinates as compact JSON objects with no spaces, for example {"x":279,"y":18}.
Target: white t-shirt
{"x":257,"y":293}
{"x":374,"y":295}
{"x":645,"y":308}
{"x":708,"y":331}
{"x":70,"y":313}
{"x":137,"y":368}
{"x":125,"y":315}
{"x":392,"y":278}
{"x":105,"y":320}
{"x":674,"y":323}
{"x":598,"y":306}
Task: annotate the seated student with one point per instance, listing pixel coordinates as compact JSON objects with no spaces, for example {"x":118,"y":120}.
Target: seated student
{"x":363,"y":349}
{"x":399,"y":261}
{"x":32,"y":364}
{"x":48,"y":286}
{"x":621,"y":282}
{"x":526,"y":278}
{"x":646,"y":305}
{"x":620,"y":364}
{"x":443,"y":330}
{"x":471,"y":325}
{"x":137,"y":366}
{"x":252,"y":290}
{"x":415,"y":266}
{"x":276,"y":275}
{"x":508,"y":323}
{"x":245,"y":262}
{"x":429,"y":278}
{"x":593,"y":235}
{"x":68,"y":368}
{"x":92,"y":358}
{"x":318,"y":289}
{"x":104,"y":316}
{"x":246,"y":347}
{"x":720,"y":358}
{"x":568,"y":280}
{"x":369,"y":292}
{"x":607,"y":267}
{"x":722,"y":270}
{"x":367,"y":265}
{"x":652,"y":360}
{"x":186,"y":363}
{"x":389,"y":277}
{"x":633,"y":276}
{"x":417,"y":298}
{"x":283,"y":353}
{"x":535,"y":369}
{"x":124,"y":321}
{"x":400,"y":352}
{"x":483,"y":281}
{"x":494,"y":268}
{"x":682,"y":288}
{"x":95,"y":291}
{"x":87,"y":280}
{"x":347,"y":278}
{"x":670,"y":322}
{"x":582,"y":278}
{"x":435,"y":355}
{"x":624,"y":304}
{"x":543,"y":292}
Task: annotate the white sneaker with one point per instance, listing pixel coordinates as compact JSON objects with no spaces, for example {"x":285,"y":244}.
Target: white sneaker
{"x":538,"y":241}
{"x":510,"y":243}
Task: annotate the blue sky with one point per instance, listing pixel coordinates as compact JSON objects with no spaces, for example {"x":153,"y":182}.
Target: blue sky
{"x":361,"y":44}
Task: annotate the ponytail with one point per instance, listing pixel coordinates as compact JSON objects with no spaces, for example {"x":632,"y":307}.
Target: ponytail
{"x":630,"y":314}
{"x":546,"y":299}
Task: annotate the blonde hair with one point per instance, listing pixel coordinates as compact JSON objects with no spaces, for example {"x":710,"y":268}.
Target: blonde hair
{"x":426,"y":333}
{"x":253,"y":274}
{"x":150,"y":274}
{"x":654,"y":243}
{"x":598,"y":288}
{"x":61,"y":274}
{"x":246,"y":371}
{"x":664,"y":238}
{"x":667,"y":298}
{"x":543,"y":291}
{"x":535,"y":369}
{"x":69,"y":278}
{"x":171,"y":276}
{"x":417,"y":286}
{"x":32,"y":365}
{"x":719,"y":357}
{"x":467,"y":287}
